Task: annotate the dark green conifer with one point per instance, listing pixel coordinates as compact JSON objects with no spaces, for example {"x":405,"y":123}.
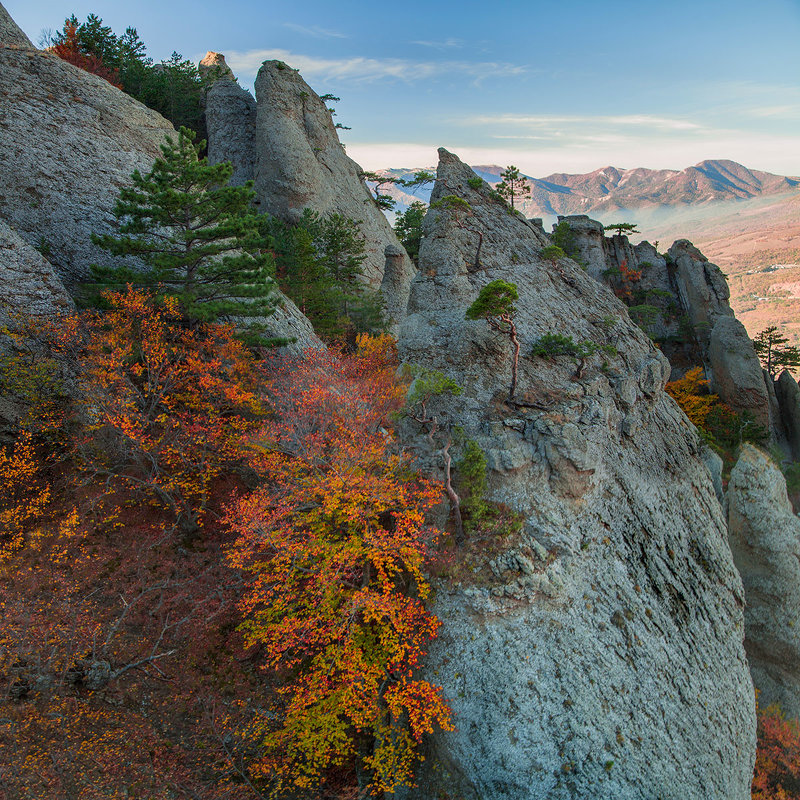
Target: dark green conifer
{"x":198,"y":237}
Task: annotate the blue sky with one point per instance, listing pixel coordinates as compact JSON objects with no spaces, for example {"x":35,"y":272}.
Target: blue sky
{"x":550,"y":86}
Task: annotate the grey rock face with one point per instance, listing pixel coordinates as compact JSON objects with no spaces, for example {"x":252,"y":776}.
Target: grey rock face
{"x":288,"y":322}
{"x":301,"y":164}
{"x":788,"y":399}
{"x":765,"y":539}
{"x":28,"y":286}
{"x":213,"y":67}
{"x":736,"y":371}
{"x":28,"y":282}
{"x":231,"y":125}
{"x":588,"y":239}
{"x":11,"y":35}
{"x":68,"y":141}
{"x":603,"y":655}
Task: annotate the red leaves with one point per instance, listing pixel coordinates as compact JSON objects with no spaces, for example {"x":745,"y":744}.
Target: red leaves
{"x":69,"y":50}
{"x":336,"y":541}
{"x":777,"y":772}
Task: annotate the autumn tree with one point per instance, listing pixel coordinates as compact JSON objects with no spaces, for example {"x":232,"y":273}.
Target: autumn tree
{"x":777,"y":769}
{"x":495,"y":304}
{"x":335,"y":541}
{"x":775,"y":352}
{"x":68,"y":46}
{"x":198,"y":237}
{"x":170,"y":404}
{"x":513,"y":185}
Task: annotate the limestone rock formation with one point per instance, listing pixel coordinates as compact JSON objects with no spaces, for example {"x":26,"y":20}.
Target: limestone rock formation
{"x":11,"y":35}
{"x":68,"y":141}
{"x":588,"y":239}
{"x":288,"y":322}
{"x":788,"y":399}
{"x":301,"y":164}
{"x":213,"y":67}
{"x":28,"y":286}
{"x":736,"y":372}
{"x":231,"y":125}
{"x":599,"y":654}
{"x":765,"y":539}
{"x":28,"y":282}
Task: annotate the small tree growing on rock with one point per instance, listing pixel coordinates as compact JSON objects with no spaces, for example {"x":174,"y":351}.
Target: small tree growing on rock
{"x":513,"y":185}
{"x":626,"y":228}
{"x":495,"y":304}
{"x":775,"y":352}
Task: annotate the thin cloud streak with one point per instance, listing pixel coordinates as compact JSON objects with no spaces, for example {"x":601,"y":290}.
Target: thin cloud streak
{"x":358,"y":68}
{"x":545,"y":120}
{"x":447,"y":44}
{"x":316,"y":31}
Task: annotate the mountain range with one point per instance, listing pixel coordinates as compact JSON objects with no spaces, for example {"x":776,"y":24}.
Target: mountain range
{"x":610,"y":189}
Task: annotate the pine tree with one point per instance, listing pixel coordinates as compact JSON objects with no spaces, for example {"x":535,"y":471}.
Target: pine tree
{"x":408,"y":227}
{"x":775,"y":352}
{"x":198,"y":236}
{"x":513,"y":185}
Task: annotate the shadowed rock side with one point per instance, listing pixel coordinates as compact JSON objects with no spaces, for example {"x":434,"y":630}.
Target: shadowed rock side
{"x":765,"y":539}
{"x":29,"y":286}
{"x":11,"y":35}
{"x":301,"y":164}
{"x":600,"y":656}
{"x":68,"y":141}
{"x":230,"y":120}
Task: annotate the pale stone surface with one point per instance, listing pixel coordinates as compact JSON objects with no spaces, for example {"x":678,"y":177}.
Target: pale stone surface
{"x":588,"y":239}
{"x":765,"y":539}
{"x":301,"y":164}
{"x":68,"y":141}
{"x":213,"y":67}
{"x":603,"y":658}
{"x":11,"y":35}
{"x":231,"y":125}
{"x":287,"y":322}
{"x":736,"y":374}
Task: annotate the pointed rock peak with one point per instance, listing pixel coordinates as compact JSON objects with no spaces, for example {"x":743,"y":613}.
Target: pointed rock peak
{"x":214,"y":68}
{"x":11,"y":35}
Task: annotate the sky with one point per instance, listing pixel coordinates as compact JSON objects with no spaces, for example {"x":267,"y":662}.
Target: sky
{"x":567,"y":86}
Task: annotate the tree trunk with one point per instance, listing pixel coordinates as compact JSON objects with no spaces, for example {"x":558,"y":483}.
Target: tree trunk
{"x":455,"y":500}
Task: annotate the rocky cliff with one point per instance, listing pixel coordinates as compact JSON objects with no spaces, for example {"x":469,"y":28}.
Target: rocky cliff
{"x":765,"y":539}
{"x":287,"y":141}
{"x":68,"y":141}
{"x":601,"y":654}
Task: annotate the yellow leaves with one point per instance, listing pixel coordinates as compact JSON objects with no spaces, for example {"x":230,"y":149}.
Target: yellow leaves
{"x":22,"y":497}
{"x":691,"y":394}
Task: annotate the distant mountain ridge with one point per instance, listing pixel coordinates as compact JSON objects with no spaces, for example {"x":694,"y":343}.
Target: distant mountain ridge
{"x":611,"y":189}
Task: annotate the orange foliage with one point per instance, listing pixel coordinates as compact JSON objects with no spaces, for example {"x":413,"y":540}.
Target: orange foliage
{"x":691,"y":393}
{"x":623,"y":287}
{"x":22,"y":494}
{"x":169,"y":404}
{"x":335,"y":542}
{"x":777,"y":772}
{"x":69,"y":51}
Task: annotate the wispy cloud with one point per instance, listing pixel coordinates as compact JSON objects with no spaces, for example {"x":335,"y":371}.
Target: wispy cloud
{"x":447,"y":44}
{"x":316,"y":31}
{"x":545,"y":121}
{"x":358,"y":68}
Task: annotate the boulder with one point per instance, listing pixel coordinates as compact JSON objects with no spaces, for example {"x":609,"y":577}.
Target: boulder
{"x":301,"y":164}
{"x":68,"y":141}
{"x":597,"y":653}
{"x":231,"y":125}
{"x":736,"y":374}
{"x":788,"y":399}
{"x":11,"y":35}
{"x":288,"y":322}
{"x":765,"y":539}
